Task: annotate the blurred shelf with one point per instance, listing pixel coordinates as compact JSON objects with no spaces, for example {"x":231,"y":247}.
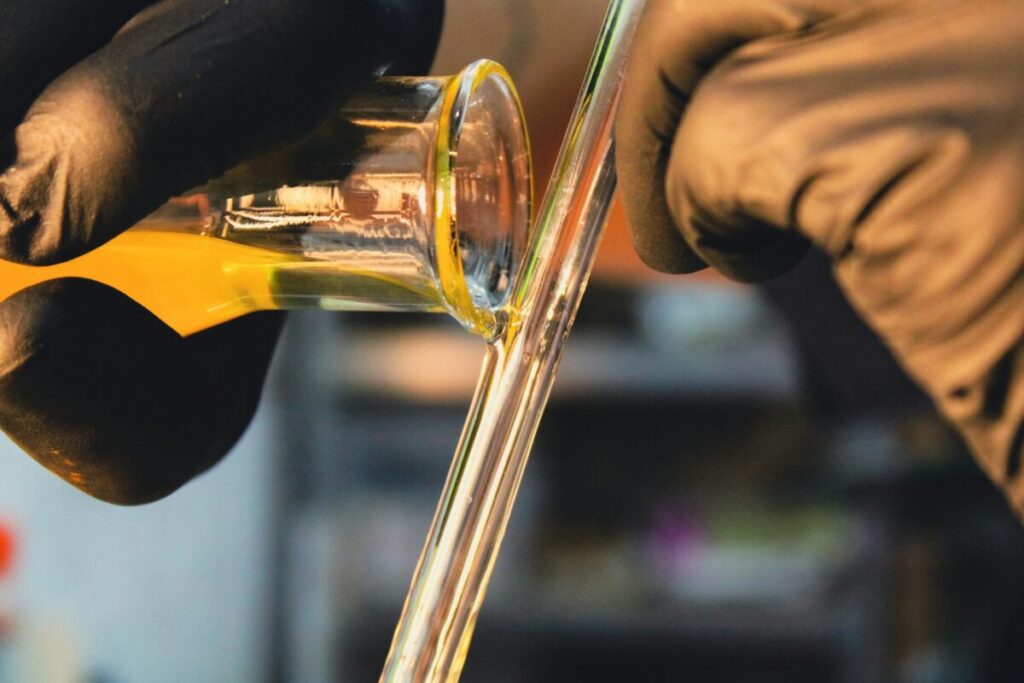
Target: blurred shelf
{"x":441,"y":366}
{"x":771,"y":627}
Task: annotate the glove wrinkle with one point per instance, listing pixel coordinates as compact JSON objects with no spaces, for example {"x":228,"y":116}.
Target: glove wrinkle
{"x":74,"y":165}
{"x":182,"y":32}
{"x":730,"y":252}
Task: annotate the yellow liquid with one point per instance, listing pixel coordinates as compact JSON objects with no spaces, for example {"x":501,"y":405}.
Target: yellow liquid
{"x":193,"y":282}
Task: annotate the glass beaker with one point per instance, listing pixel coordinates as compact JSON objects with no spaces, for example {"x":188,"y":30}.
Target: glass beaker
{"x":415,"y":197}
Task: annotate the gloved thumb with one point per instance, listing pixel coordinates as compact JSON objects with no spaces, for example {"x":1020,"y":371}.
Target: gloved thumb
{"x":677,"y":44}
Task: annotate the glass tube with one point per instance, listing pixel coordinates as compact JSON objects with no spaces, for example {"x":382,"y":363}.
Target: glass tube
{"x":448,"y":587}
{"x":415,"y":197}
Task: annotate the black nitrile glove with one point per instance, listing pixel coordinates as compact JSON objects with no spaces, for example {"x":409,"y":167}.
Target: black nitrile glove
{"x":889,"y":134}
{"x":107,"y":110}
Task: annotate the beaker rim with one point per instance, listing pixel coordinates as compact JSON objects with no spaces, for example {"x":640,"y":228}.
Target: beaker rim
{"x":479,"y":316}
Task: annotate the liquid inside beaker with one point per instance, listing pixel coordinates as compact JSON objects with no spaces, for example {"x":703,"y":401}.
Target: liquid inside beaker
{"x":415,"y":198}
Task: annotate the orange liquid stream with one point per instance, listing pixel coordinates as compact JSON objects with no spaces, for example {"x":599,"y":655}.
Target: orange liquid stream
{"x":191,"y":282}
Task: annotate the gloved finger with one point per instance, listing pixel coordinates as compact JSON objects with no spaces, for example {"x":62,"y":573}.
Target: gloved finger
{"x":39,"y":39}
{"x":811,"y":133}
{"x":187,"y":89}
{"x":677,"y":43}
{"x":891,"y":138}
{"x":105,"y":395}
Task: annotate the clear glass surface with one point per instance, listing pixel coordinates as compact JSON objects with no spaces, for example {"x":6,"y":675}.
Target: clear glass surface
{"x":415,"y":197}
{"x":432,"y":638}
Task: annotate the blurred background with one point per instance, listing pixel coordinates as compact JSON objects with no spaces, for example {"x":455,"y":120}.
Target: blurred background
{"x":731,"y":484}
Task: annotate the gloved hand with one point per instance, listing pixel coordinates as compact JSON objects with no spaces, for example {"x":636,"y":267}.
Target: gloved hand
{"x":888,"y":133}
{"x":107,"y":110}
